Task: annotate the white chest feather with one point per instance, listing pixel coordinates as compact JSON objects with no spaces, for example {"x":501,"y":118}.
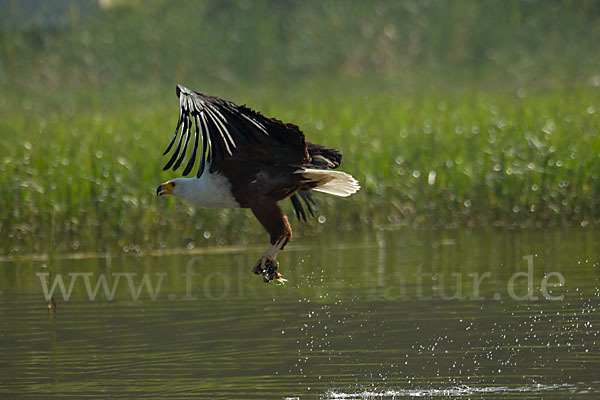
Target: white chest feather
{"x":210,"y":191}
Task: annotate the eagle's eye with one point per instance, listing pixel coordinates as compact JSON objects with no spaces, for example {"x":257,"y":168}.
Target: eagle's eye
{"x":172,"y":184}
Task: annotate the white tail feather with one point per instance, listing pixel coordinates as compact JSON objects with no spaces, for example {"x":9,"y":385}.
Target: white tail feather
{"x":336,"y":183}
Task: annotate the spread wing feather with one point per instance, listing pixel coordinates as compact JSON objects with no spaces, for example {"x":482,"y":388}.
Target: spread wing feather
{"x":219,"y":126}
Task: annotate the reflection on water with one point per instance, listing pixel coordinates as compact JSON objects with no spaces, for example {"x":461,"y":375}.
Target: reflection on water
{"x":391,"y":315}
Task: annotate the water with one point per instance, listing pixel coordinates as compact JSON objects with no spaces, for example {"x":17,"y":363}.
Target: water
{"x":388,"y":315}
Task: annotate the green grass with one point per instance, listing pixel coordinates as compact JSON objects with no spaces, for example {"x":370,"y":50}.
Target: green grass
{"x":437,"y":160}
{"x":444,"y":121}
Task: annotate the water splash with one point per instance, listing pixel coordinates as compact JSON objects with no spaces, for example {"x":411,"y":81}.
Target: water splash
{"x":462,"y":390}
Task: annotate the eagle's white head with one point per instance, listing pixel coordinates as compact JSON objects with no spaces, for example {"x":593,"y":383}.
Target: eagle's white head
{"x":209,"y":191}
{"x":179,"y":187}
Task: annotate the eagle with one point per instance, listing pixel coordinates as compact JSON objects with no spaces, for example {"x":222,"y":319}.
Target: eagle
{"x":250,"y":161}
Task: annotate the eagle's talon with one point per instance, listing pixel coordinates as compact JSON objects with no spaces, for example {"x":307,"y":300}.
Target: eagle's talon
{"x":271,"y":269}
{"x":267,"y":267}
{"x":265,"y":264}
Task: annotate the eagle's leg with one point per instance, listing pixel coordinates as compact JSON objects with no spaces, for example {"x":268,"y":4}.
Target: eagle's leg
{"x":276,"y":223}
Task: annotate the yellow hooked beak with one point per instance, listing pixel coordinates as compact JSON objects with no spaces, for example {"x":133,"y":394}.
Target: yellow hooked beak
{"x":165,"y":188}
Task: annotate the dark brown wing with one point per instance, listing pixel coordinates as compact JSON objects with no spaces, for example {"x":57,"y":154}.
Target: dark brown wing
{"x":220,"y":127}
{"x":323,"y":157}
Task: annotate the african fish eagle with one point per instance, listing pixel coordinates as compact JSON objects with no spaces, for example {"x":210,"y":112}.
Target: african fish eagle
{"x":253,"y":162}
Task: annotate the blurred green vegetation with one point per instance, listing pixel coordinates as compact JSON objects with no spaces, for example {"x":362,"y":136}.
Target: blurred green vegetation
{"x":232,"y":42}
{"x":449,"y":113}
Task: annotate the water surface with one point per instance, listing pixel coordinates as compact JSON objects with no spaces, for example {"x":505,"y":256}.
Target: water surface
{"x":387,"y":315}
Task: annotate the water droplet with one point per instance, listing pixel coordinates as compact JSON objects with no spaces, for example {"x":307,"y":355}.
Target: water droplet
{"x":431,"y":177}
